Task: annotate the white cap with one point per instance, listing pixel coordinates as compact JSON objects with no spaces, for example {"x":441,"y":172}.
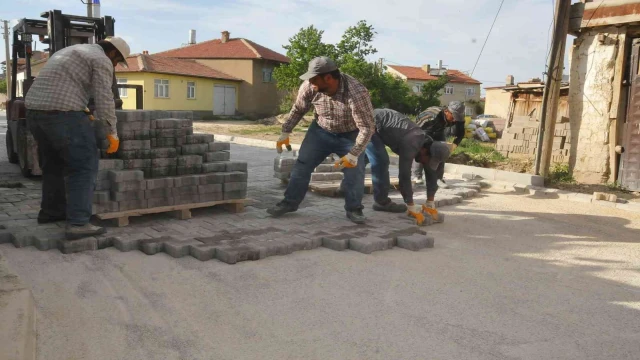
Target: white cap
{"x":121,"y":46}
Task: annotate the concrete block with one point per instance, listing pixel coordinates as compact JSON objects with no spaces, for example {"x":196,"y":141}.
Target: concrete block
{"x":160,"y":183}
{"x":132,"y":204}
{"x":232,"y":254}
{"x":163,"y":171}
{"x":369,"y":244}
{"x":23,"y":239}
{"x":185,"y":190}
{"x":102,"y":175}
{"x":234,"y":186}
{"x":213,"y":196}
{"x":102,"y":185}
{"x":299,"y":243}
{"x":105,"y":241}
{"x":219,"y":146}
{"x":234,"y":195}
{"x":190,"y":180}
{"x":213,"y":167}
{"x":130,"y":155}
{"x":322,"y":168}
{"x":189,"y":160}
{"x":49,"y":240}
{"x":159,"y":202}
{"x":164,"y":162}
{"x":129,"y":186}
{"x":129,"y":242}
{"x":85,"y":244}
{"x":142,"y":135}
{"x":217,"y":156}
{"x":336,"y":242}
{"x":107,"y":207}
{"x":159,"y":193}
{"x":415,"y":242}
{"x":327,"y":176}
{"x":168,"y":152}
{"x":210,"y":188}
{"x":165,"y":124}
{"x":236,"y":166}
{"x":189,"y":170}
{"x":214,"y":178}
{"x":125,"y":175}
{"x":100,"y":197}
{"x":194,"y":149}
{"x":202,"y":252}
{"x":198,"y":139}
{"x":135,"y":145}
{"x":164,"y":142}
{"x":170,"y":133}
{"x":120,"y":196}
{"x":110,"y":164}
{"x":186,"y":122}
{"x":133,"y":126}
{"x":137,"y":164}
{"x":267,"y":248}
{"x":154,"y":245}
{"x":186,"y":199}
{"x":235,"y":176}
{"x":179,"y":248}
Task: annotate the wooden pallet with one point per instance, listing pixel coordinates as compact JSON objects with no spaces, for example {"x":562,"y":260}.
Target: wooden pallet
{"x":182,"y":212}
{"x":330,"y":188}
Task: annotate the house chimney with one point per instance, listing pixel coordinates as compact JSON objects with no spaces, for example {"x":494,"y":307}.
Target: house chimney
{"x":426,"y":68}
{"x":192,"y":37}
{"x":225,"y":37}
{"x":439,"y":64}
{"x":510,"y":80}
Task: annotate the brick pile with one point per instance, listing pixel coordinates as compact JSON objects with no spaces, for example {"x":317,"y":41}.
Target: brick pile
{"x":283,"y":165}
{"x":161,"y":162}
{"x":521,"y":139}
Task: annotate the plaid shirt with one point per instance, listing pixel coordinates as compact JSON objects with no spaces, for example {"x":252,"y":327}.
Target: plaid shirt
{"x":72,"y":76}
{"x":347,"y":110}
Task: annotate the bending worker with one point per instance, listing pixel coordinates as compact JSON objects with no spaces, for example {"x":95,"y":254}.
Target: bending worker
{"x":65,"y":134}
{"x":343,"y":125}
{"x":434,"y":121}
{"x":410,"y":143}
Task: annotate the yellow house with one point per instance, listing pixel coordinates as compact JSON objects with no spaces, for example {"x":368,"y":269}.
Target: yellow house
{"x":178,"y":84}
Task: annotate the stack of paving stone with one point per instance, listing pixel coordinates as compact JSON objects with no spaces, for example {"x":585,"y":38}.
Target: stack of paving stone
{"x":521,"y":139}
{"x":283,"y":165}
{"x":161,"y":162}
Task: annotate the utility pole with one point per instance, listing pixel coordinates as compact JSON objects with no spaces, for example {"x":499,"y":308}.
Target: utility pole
{"x":7,"y":76}
{"x":551,"y":94}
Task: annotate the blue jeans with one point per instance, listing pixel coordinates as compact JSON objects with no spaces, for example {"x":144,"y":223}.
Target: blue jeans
{"x":317,"y":145}
{"x":379,"y":160}
{"x":67,"y":149}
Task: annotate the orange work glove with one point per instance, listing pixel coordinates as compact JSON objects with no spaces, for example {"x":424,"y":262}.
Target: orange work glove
{"x":114,"y":143}
{"x":415,"y":212}
{"x":283,"y":140}
{"x":347,"y":161}
{"x":430,"y":208}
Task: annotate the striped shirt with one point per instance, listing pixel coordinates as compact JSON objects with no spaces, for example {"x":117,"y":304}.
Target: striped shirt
{"x":72,"y":76}
{"x":347,"y":110}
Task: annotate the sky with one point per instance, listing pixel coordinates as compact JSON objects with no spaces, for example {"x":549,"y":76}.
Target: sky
{"x":409,"y":32}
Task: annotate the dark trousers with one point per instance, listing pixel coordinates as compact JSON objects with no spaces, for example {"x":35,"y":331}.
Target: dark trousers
{"x":417,"y":168}
{"x":69,"y":162}
{"x":316,"y":146}
{"x":379,"y":158}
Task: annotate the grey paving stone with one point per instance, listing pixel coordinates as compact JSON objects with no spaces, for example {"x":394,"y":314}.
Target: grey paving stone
{"x":6,"y":237}
{"x":160,"y":183}
{"x":164,"y":162}
{"x":236,"y":166}
{"x":213,"y":167}
{"x":189,"y":170}
{"x":209,"y":188}
{"x":337,"y":242}
{"x":126,"y":175}
{"x":185,"y":190}
{"x":190,"y":180}
{"x":170,"y":133}
{"x":160,"y":172}
{"x":107,"y":207}
{"x":166,"y":152}
{"x":110,"y":164}
{"x":135,"y":145}
{"x":415,"y":242}
{"x":159,"y":193}
{"x":102,"y":185}
{"x":369,"y":244}
{"x":282,"y":176}
{"x":132,"y":126}
{"x":202,"y":252}
{"x":129,"y":185}
{"x":214,"y":196}
{"x":232,"y":254}
{"x":235,"y":195}
{"x":234,"y":186}
{"x":136,"y":163}
{"x":49,"y":240}
{"x":159,"y":202}
{"x":235,"y":177}
{"x":85,"y":244}
{"x":154,"y":245}
{"x":189,"y":160}
{"x":186,"y":199}
{"x":179,"y":248}
{"x":198,"y":139}
{"x":127,"y":195}
{"x":165,"y":124}
{"x":299,"y":243}
{"x":132,"y":204}
{"x":129,"y":242}
{"x":219,"y":146}
{"x":23,"y":239}
{"x":267,"y":248}
{"x":100,"y":197}
{"x":217,"y":156}
{"x":327,"y":176}
{"x":194,"y":149}
{"x":142,"y":134}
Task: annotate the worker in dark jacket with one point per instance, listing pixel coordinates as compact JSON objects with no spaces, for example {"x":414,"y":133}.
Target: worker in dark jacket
{"x":410,"y":143}
{"x":434,"y":121}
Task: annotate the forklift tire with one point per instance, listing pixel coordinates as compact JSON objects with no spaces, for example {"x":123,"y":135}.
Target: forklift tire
{"x":22,"y":149}
{"x":13,"y":157}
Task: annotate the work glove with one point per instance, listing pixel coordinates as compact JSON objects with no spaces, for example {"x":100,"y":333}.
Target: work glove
{"x":114,"y":143}
{"x":415,"y":212}
{"x":347,"y":161}
{"x":283,"y":140}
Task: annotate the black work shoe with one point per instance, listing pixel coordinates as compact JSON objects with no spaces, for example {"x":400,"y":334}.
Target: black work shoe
{"x":280,"y":209}
{"x":390,"y":207}
{"x":46,"y":219}
{"x":356,"y":216}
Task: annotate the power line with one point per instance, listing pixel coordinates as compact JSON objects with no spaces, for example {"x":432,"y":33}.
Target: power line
{"x":487,"y":39}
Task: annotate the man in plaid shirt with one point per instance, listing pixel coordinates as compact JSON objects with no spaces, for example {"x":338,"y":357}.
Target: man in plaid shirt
{"x":343,"y":125}
{"x":65,"y":134}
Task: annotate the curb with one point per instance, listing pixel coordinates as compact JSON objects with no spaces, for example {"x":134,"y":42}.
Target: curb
{"x":542,"y":192}
{"x":17,"y":317}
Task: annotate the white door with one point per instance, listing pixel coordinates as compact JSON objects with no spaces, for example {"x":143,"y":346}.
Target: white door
{"x":224,"y":100}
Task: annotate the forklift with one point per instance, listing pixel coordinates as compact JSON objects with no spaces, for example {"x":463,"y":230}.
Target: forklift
{"x":57,"y":31}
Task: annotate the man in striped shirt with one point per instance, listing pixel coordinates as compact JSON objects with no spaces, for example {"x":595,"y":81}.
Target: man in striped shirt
{"x":343,"y":125}
{"x":65,"y":134}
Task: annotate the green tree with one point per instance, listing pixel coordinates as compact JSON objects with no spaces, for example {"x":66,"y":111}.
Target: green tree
{"x":429,"y":96}
{"x":3,"y":86}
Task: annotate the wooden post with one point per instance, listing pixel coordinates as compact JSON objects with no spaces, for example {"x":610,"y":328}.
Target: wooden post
{"x":552,"y":88}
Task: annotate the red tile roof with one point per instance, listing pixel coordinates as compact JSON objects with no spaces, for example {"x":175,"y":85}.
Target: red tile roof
{"x":165,"y":65}
{"x":416,"y":73}
{"x":232,"y":49}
